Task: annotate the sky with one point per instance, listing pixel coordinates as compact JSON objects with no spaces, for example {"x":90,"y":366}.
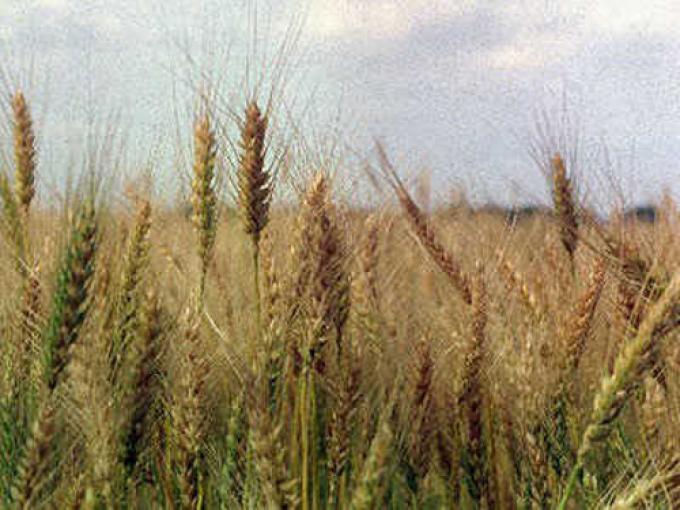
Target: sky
{"x":455,"y":89}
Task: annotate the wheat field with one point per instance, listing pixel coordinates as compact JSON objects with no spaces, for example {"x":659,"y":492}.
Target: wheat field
{"x":319,"y":355}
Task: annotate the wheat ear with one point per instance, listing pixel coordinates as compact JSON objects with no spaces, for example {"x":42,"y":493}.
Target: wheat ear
{"x":254,"y":186}
{"x":565,"y":206}
{"x":135,"y":263}
{"x":24,"y":152}
{"x":322,"y":279}
{"x":71,"y":298}
{"x":204,"y":196}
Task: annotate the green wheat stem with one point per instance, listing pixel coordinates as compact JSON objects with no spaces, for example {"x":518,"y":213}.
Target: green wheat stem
{"x":571,"y":485}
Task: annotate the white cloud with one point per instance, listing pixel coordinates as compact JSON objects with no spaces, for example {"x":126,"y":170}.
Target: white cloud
{"x":52,"y":4}
{"x":379,"y":19}
{"x":623,"y":16}
{"x":514,"y":57}
{"x":604,"y":17}
{"x":539,"y":33}
{"x":550,"y":32}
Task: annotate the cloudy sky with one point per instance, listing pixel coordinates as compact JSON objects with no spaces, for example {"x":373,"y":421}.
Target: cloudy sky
{"x":454,"y":86}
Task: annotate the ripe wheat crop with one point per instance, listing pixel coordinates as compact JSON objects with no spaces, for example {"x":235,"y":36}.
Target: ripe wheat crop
{"x":316,"y":355}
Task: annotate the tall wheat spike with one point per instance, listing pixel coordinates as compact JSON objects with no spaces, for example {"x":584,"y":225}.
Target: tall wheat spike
{"x":254,"y":186}
{"x":204,"y":196}
{"x":24,"y":152}
{"x":17,"y":213}
{"x":565,"y":206}
{"x":322,"y":278}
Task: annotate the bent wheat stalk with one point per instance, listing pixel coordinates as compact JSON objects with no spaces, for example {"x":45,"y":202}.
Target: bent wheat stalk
{"x":423,"y":230}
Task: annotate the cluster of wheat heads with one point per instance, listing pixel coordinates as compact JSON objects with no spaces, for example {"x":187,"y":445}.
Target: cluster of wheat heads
{"x":322,"y":357}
